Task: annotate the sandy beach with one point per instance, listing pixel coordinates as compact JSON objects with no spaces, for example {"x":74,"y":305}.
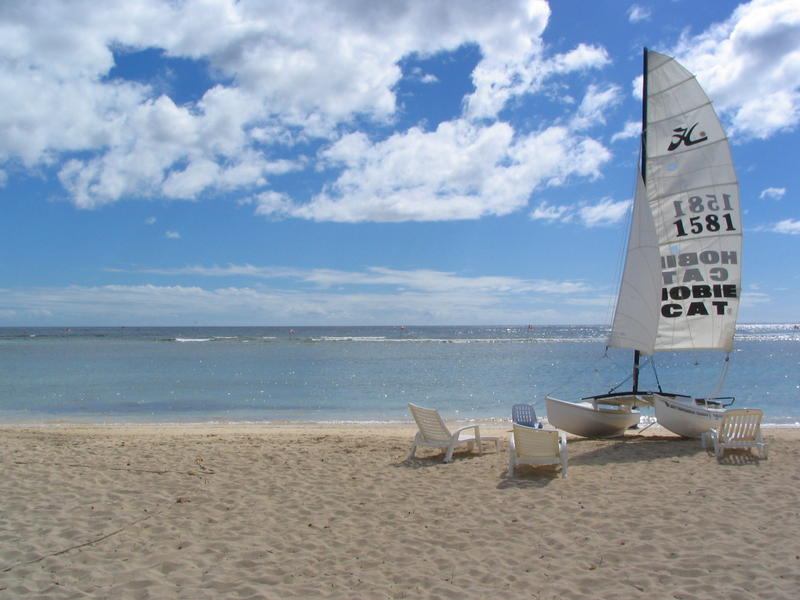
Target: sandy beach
{"x":292,"y":511}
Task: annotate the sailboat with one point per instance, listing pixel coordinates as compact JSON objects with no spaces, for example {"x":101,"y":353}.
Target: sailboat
{"x":681,"y":280}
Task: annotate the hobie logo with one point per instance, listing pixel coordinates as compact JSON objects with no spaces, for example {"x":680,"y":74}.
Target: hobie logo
{"x":683,"y":135}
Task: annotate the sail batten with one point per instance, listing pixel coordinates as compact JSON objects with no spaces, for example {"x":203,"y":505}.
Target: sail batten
{"x":681,"y":281}
{"x":654,"y":94}
{"x":658,"y":121}
{"x":696,"y":189}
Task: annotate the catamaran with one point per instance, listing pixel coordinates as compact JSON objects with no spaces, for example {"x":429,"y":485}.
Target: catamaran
{"x":681,"y":280}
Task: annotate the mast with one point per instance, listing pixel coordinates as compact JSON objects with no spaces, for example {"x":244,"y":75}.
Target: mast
{"x":643,"y":154}
{"x":644,"y":116}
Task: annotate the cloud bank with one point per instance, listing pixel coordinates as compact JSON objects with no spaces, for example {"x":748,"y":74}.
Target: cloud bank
{"x":289,"y":89}
{"x":285,"y":295}
{"x":750,"y":66}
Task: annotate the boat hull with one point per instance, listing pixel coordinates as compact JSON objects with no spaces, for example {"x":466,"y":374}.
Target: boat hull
{"x":586,"y":419}
{"x":683,"y":417}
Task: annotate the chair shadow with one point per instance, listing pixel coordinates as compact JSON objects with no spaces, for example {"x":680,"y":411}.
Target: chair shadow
{"x":529,"y":477}
{"x":438,"y":459}
{"x":736,"y":457}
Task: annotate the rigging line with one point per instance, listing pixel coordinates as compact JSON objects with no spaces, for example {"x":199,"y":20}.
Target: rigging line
{"x":717,"y":391}
{"x":596,"y":364}
{"x":629,"y":377}
{"x":613,"y":389}
{"x":658,"y":383}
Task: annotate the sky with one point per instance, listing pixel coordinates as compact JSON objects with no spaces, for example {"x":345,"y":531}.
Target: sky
{"x":358,"y":162}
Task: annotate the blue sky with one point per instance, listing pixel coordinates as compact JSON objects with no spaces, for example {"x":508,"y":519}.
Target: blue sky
{"x":361,"y":162}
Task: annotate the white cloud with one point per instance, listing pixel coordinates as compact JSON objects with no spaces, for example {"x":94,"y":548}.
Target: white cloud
{"x":328,"y":296}
{"x":192,"y":180}
{"x":772,"y":193}
{"x":582,"y":58}
{"x":150,"y":221}
{"x":459,"y":171}
{"x":498,"y":78}
{"x":752,"y":297}
{"x":418,"y":74}
{"x":603,"y":213}
{"x":632,"y":129}
{"x":595,"y":103}
{"x":789,"y":226}
{"x":637,"y":13}
{"x":606,"y":212}
{"x":547,"y":212}
{"x":763,"y":116}
{"x":273,"y":203}
{"x":298,"y":75}
{"x":419,"y":280}
{"x":172,"y":235}
{"x":636,"y":88}
{"x":750,"y":66}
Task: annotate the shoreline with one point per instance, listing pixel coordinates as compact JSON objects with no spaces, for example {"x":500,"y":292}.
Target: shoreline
{"x":490,"y":423}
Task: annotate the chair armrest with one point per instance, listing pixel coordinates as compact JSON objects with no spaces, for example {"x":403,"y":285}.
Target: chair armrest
{"x":708,"y":437}
{"x":458,"y":431}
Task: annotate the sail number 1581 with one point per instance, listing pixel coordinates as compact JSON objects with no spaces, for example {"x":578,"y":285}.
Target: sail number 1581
{"x":699,"y":222}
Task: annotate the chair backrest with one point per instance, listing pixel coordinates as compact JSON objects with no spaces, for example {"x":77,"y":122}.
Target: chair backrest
{"x":524,"y":414}
{"x":430,"y":423}
{"x":740,"y":424}
{"x":535,"y":442}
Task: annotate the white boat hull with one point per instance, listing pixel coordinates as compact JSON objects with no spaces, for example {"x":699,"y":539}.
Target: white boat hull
{"x":589,"y":420}
{"x":683,"y":417}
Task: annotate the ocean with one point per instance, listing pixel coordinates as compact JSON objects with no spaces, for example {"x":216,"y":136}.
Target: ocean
{"x":360,"y":374}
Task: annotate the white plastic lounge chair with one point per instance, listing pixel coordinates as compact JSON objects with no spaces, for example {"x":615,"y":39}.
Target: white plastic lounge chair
{"x":738,"y":428}
{"x":529,"y":446}
{"x":434,"y":433}
{"x":524,"y":414}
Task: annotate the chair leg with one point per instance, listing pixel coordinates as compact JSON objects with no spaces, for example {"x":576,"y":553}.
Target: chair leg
{"x":449,"y":456}
{"x":413,"y":450}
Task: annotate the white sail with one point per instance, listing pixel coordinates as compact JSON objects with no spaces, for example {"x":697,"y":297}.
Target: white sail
{"x":640,"y":291}
{"x":693,"y":199}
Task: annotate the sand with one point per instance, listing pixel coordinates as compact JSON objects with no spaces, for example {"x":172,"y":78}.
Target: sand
{"x":282,"y":511}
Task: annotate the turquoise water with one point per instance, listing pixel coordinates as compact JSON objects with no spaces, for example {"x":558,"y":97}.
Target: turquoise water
{"x":240,"y":374}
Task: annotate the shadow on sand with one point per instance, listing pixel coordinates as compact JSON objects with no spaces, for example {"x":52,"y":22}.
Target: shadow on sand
{"x":738,"y":456}
{"x":629,"y":449}
{"x":438,"y":459}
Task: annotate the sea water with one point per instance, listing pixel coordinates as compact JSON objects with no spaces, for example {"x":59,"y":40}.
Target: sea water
{"x":360,"y":374}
